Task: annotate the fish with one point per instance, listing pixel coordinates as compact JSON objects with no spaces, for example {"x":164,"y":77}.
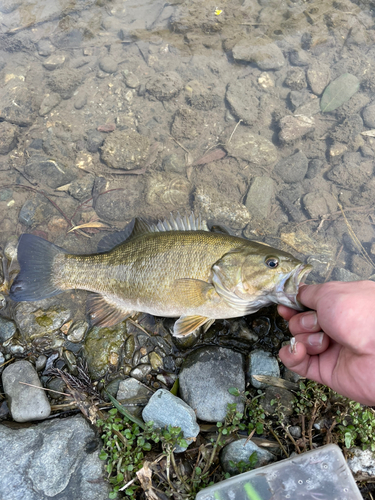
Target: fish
{"x":176,"y":268}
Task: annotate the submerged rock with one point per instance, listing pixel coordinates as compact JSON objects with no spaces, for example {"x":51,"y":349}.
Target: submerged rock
{"x":266,"y":57}
{"x":252,"y":148}
{"x":166,"y":409}
{"x":127,"y":150}
{"x":26,"y":403}
{"x":164,"y":86}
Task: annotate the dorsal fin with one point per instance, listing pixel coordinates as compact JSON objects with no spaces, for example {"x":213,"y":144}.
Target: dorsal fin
{"x":178,"y":223}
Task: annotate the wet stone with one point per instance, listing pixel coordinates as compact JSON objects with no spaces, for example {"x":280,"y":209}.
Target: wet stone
{"x":299,"y":98}
{"x":45,"y":47}
{"x":126,"y":150}
{"x":58,"y":385}
{"x":40,"y":362}
{"x":77,"y":331}
{"x":141,"y":371}
{"x":278,"y":396}
{"x":299,"y":58}
{"x":165,"y":86}
{"x":295,"y":431}
{"x":262,"y":363}
{"x":170,"y":191}
{"x":30,"y":457}
{"x":19,"y":105}
{"x":65,"y":81}
{"x":187,"y":124}
{"x":108,"y":64}
{"x":295,"y":127}
{"x":26,"y":403}
{"x":81,"y":189}
{"x":205,"y":378}
{"x":156,"y":360}
{"x":165,"y":409}
{"x":55,"y":61}
{"x":80,"y":101}
{"x":95,"y":140}
{"x":8,"y":137}
{"x":49,"y":102}
{"x":121,"y":205}
{"x":242,"y":101}
{"x":369,"y":116}
{"x":131,"y":80}
{"x":260,"y":196}
{"x":100,"y":343}
{"x":53,"y":173}
{"x":351,"y":172}
{"x":348,"y":130}
{"x":319,"y":203}
{"x":7,"y":329}
{"x":266,"y":57}
{"x":318,"y":77}
{"x":315,"y":166}
{"x":295,"y":79}
{"x":33,"y":212}
{"x":293,"y":168}
{"x":241,"y":450}
{"x":252,"y":148}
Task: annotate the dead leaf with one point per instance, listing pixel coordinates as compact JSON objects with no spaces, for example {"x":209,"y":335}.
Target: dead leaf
{"x":369,"y":133}
{"x":93,"y":224}
{"x":145,"y":478}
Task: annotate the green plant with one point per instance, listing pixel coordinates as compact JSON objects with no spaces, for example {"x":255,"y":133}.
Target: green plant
{"x":357,"y":426}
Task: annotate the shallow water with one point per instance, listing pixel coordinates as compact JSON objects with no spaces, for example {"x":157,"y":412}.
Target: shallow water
{"x":121,"y":109}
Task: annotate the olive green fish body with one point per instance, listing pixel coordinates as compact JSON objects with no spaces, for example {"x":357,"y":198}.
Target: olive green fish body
{"x":175,"y":269}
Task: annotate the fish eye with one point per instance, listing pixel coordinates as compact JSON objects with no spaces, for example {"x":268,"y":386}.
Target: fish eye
{"x":272,"y":262}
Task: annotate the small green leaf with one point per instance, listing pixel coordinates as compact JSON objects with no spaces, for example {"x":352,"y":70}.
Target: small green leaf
{"x":234,"y":391}
{"x":125,"y":412}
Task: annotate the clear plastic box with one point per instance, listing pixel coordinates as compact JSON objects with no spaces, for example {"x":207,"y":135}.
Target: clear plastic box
{"x":321,"y":474}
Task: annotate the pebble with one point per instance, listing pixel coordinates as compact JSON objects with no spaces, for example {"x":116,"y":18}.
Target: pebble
{"x":362,"y":462}
{"x":55,"y":459}
{"x":77,"y":332}
{"x":18,"y":105}
{"x":33,"y":212}
{"x":81,"y":189}
{"x":40,"y":362}
{"x":53,"y":173}
{"x":318,"y":77}
{"x":242,"y":101}
{"x":121,"y":205}
{"x":266,"y":57}
{"x":299,"y":58}
{"x":293,"y":168}
{"x":141,"y":371}
{"x":260,"y":196}
{"x":156,"y":361}
{"x":295,"y":127}
{"x":131,"y":80}
{"x":319,"y":203}
{"x":8,"y":137}
{"x":80,"y":100}
{"x":262,"y":363}
{"x":165,"y":409}
{"x":26,"y":403}
{"x":241,"y":450}
{"x":7,"y":329}
{"x":64,"y":81}
{"x":49,"y":102}
{"x":279,"y":396}
{"x":252,"y":148}
{"x":45,"y":47}
{"x":94,"y":141}
{"x":295,"y":79}
{"x":55,"y":61}
{"x":205,"y":378}
{"x":369,"y":115}
{"x":165,"y":86}
{"x":348,"y":129}
{"x":295,"y":431}
{"x":108,"y":64}
{"x":126,"y":150}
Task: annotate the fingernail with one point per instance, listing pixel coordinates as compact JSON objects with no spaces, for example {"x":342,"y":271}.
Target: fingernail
{"x":309,"y":320}
{"x":316,"y":339}
{"x":293,"y":346}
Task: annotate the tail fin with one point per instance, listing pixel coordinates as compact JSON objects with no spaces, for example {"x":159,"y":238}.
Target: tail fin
{"x":35,"y":280}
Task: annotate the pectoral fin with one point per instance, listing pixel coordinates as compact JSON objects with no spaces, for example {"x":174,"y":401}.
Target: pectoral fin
{"x":187,"y":324}
{"x":195,"y":292}
{"x":103,"y":312}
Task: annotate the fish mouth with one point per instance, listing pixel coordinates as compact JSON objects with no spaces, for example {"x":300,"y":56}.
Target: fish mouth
{"x":288,"y":288}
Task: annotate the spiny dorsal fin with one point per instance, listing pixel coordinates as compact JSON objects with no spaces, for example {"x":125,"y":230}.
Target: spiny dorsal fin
{"x":178,"y":223}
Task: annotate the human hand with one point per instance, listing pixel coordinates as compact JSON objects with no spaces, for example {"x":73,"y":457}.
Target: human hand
{"x":335,"y":341}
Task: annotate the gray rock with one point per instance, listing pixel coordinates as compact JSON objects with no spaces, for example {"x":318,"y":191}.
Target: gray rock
{"x":165,"y":86}
{"x":53,"y":173}
{"x":362,"y":462}
{"x":19,"y":104}
{"x":141,"y":371}
{"x":295,"y":431}
{"x":55,"y":61}
{"x":40,"y":362}
{"x":299,"y":98}
{"x":318,"y":77}
{"x":187,"y":123}
{"x":132,"y":390}
{"x":121,"y":205}
{"x":26,"y":403}
{"x":295,"y":127}
{"x":369,"y":115}
{"x":252,"y":148}
{"x":342,"y":274}
{"x":205,"y":378}
{"x":131,"y":80}
{"x":315,"y":166}
{"x":295,"y":79}
{"x":260,"y":196}
{"x":262,"y":363}
{"x":165,"y":409}
{"x":242,"y":100}
{"x":8,"y":137}
{"x":126,"y":150}
{"x":45,"y":47}
{"x":293,"y":168}
{"x":348,"y":130}
{"x":319,"y":203}
{"x":80,"y":101}
{"x":281,"y":398}
{"x":77,"y":332}
{"x":53,"y":459}
{"x":299,"y":58}
{"x":266,"y":57}
{"x":241,"y":450}
{"x":352,"y":172}
{"x":81,"y":189}
{"x":49,"y":102}
{"x":108,"y":64}
{"x":7,"y":329}
{"x":33,"y":212}
{"x":64,"y":81}
{"x":95,"y":140}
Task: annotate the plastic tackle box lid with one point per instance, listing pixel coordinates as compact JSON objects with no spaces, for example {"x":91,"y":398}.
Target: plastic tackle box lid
{"x":321,"y":474}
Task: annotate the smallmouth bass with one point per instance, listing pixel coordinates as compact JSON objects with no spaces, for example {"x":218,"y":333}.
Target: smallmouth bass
{"x":176,"y":268}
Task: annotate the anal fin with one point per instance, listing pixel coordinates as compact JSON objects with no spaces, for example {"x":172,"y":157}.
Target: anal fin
{"x":104,"y":312}
{"x":187,"y":324}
